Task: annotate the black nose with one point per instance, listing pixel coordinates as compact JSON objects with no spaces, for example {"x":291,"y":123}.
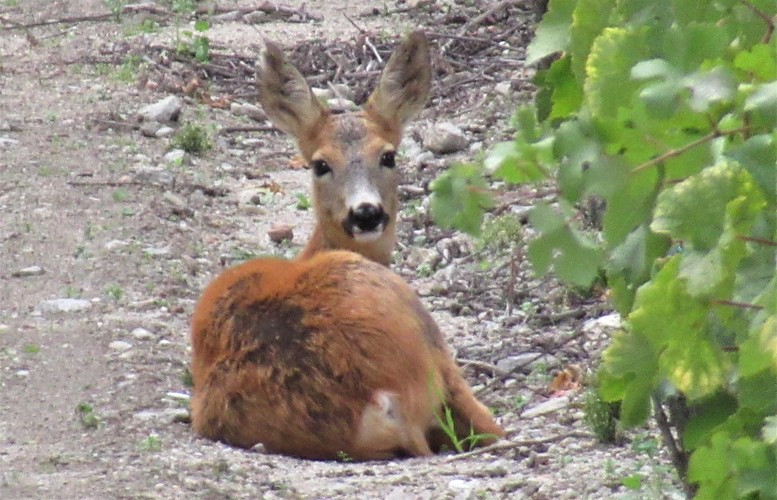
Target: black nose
{"x":367,"y":217}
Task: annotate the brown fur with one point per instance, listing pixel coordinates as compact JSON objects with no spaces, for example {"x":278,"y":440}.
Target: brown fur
{"x":350,"y":143}
{"x":334,"y":354}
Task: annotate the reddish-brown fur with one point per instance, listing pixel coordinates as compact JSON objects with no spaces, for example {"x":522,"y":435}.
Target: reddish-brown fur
{"x":331,"y":355}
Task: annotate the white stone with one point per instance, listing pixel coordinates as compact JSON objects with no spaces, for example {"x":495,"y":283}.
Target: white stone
{"x":142,"y":334}
{"x":64,"y":305}
{"x":176,"y":156}
{"x":445,"y":138}
{"x":120,"y":345}
{"x":162,"y":111}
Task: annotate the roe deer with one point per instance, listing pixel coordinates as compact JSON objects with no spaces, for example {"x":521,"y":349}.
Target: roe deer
{"x":322,"y":357}
{"x":351,"y":155}
{"x":332,"y":353}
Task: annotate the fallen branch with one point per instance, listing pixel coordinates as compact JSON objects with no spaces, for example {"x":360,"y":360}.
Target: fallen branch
{"x":511,"y":445}
{"x":127,"y":9}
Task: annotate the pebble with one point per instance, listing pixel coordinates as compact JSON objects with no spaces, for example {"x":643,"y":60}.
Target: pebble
{"x":156,"y":176}
{"x":546,"y":407}
{"x":7,"y":141}
{"x":162,"y":111}
{"x":4,"y":328}
{"x":115,"y":245}
{"x":149,"y":128}
{"x":64,"y":305}
{"x":527,"y":360}
{"x":279,"y":233}
{"x":504,"y":88}
{"x":119,"y":345}
{"x":164,"y":131}
{"x":445,"y":138}
{"x":142,"y":334}
{"x":603,"y":323}
{"x":340,"y":104}
{"x":175,"y":156}
{"x":179,"y":396}
{"x":249,"y":110}
{"x":28,"y":271}
{"x":23,"y":373}
{"x":157,"y":252}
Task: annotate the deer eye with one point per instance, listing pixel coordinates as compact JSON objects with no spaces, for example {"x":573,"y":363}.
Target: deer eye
{"x":388,"y":159}
{"x":320,"y":168}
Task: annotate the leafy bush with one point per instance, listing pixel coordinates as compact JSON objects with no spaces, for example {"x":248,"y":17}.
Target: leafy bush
{"x":667,"y":110}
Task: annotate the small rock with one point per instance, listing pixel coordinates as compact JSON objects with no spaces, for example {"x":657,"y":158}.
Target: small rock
{"x":156,"y":176}
{"x":463,"y":484}
{"x":504,"y":88}
{"x":179,"y":396}
{"x":157,"y":252}
{"x":340,"y":104}
{"x":420,"y":256}
{"x":548,"y":406}
{"x":7,"y":141}
{"x":149,"y":128}
{"x":4,"y":328}
{"x":324,"y":94}
{"x":176,"y":156}
{"x":114,"y":245}
{"x":279,"y":233}
{"x":28,"y":271}
{"x":445,"y":138}
{"x":603,"y":323}
{"x":527,"y":361}
{"x":164,"y":131}
{"x":341,"y":90}
{"x":64,"y":305}
{"x":23,"y":373}
{"x":141,"y":334}
{"x":163,"y":111}
{"x":250,"y":110}
{"x":175,"y":201}
{"x":119,"y":345}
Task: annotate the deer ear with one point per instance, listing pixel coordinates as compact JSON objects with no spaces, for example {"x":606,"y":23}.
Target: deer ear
{"x":286,"y":96}
{"x":404,"y":84}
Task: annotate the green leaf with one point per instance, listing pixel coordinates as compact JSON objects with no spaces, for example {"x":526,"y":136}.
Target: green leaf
{"x":762,"y":104}
{"x":552,"y":34}
{"x":632,"y":482}
{"x":761,"y":60}
{"x":759,"y":156}
{"x":613,"y":54}
{"x":769,"y":431}
{"x":588,"y":21}
{"x":566,"y":92}
{"x":460,"y":196}
{"x":709,"y":87}
{"x":707,"y":415}
{"x":709,"y":466}
{"x":201,"y":25}
{"x":695,"y":209}
{"x":628,"y":375}
{"x":574,"y":258}
{"x":759,"y":351}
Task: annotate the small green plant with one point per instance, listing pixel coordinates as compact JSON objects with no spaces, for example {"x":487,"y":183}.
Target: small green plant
{"x":127,"y":72}
{"x":186,"y":378}
{"x":601,"y":417}
{"x":87,"y":416}
{"x":501,"y":233}
{"x":152,"y":443}
{"x":120,"y":195}
{"x":193,"y":139}
{"x":145,"y":26}
{"x":116,"y":7}
{"x":115,"y":292}
{"x":31,"y":348}
{"x":344,"y":457}
{"x":72,"y":292}
{"x":303,"y":203}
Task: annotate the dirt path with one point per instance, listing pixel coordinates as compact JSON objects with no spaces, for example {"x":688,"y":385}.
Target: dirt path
{"x":92,"y":385}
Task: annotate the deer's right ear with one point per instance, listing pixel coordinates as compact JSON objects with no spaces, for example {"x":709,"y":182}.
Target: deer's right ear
{"x":286,"y":96}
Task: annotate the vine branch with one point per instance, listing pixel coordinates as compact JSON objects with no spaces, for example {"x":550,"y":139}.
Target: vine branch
{"x":764,"y":16}
{"x":672,"y":153}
